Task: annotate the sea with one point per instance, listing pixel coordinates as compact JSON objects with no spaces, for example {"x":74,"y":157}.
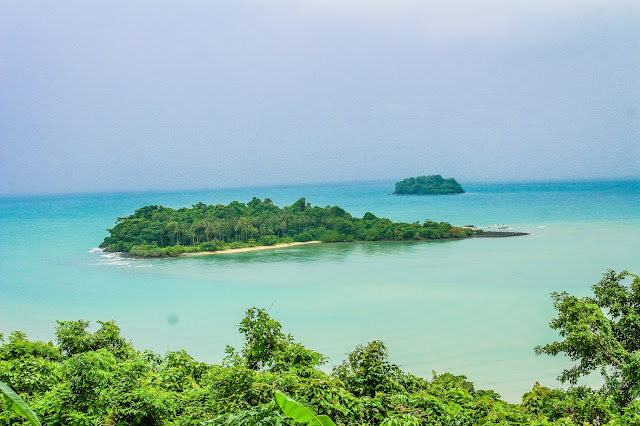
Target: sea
{"x":475,"y":307}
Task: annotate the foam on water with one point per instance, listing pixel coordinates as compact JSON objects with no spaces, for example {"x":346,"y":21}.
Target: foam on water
{"x":115,"y":259}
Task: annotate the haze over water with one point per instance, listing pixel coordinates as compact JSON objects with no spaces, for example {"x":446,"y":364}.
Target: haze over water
{"x":475,"y":307}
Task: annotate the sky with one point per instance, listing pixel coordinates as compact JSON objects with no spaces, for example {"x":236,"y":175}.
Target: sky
{"x":166,"y":95}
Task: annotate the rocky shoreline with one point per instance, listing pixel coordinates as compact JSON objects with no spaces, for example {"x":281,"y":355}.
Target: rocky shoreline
{"x":499,"y":234}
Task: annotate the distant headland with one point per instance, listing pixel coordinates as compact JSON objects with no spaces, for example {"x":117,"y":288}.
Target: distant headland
{"x":157,"y":231}
{"x":428,"y":185}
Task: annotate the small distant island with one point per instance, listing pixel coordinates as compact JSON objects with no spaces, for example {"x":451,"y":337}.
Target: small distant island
{"x":428,"y":185}
{"x":157,"y":231}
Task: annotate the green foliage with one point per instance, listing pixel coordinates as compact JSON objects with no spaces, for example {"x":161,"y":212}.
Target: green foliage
{"x":601,"y":333}
{"x":579,"y":405}
{"x":401,"y":420}
{"x":73,"y":338}
{"x":212,"y":246}
{"x":20,"y":347}
{"x":268,"y":240}
{"x":148,"y":250}
{"x":367,"y":371}
{"x":28,"y":366}
{"x":174,"y":251}
{"x":266,"y":347}
{"x":99,"y":378}
{"x":17,"y":405}
{"x":428,"y":185}
{"x":303,"y":237}
{"x":301,"y":413}
{"x":263,"y":415}
{"x":156,"y":231}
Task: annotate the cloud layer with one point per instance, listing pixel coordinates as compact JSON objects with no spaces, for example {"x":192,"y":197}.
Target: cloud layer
{"x":159,"y":95}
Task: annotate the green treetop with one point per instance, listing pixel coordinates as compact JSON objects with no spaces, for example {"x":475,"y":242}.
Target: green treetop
{"x":428,"y":185}
{"x":161,"y":231}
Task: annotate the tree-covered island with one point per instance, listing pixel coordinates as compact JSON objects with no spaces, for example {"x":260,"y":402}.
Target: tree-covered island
{"x":428,"y":185}
{"x":156,"y":231}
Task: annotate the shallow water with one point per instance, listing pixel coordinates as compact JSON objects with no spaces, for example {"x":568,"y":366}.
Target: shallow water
{"x":475,"y":307}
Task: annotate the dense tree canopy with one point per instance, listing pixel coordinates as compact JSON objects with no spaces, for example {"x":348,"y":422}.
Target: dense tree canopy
{"x":92,"y":378}
{"x":602,"y":333}
{"x":161,"y":231}
{"x":428,"y":185}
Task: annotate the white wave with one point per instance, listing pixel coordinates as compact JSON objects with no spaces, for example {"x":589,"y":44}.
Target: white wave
{"x":541,"y":226}
{"x":111,"y":256}
{"x":114,"y":259}
{"x":96,"y":250}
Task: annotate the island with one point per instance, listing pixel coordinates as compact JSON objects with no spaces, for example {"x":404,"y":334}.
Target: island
{"x":428,"y":185}
{"x":157,"y":231}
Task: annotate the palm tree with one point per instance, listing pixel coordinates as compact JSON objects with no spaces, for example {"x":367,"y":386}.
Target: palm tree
{"x":174,"y":228}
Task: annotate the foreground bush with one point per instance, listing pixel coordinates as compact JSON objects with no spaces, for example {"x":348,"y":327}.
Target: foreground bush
{"x":95,"y":378}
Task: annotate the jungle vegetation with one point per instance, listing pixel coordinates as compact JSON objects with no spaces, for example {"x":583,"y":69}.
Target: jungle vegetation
{"x":99,"y":378}
{"x":161,"y":231}
{"x":428,"y":185}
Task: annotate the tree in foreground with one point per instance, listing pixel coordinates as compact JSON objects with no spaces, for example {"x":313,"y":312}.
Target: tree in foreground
{"x":602,"y":333}
{"x":92,"y":378}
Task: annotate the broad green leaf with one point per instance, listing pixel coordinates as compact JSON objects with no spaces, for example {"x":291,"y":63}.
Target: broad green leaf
{"x":322,"y":420}
{"x":17,"y":405}
{"x":301,"y":413}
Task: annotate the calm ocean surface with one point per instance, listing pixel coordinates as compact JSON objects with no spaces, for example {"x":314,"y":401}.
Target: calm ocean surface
{"x":475,"y":307}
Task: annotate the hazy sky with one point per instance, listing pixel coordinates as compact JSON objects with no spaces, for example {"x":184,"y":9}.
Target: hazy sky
{"x":108,"y":96}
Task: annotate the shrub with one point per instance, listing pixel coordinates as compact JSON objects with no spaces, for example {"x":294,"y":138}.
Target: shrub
{"x":304,"y":237}
{"x":174,"y":251}
{"x":268,"y":240}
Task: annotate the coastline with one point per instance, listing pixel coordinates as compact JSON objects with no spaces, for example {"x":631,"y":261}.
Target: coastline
{"x":500,"y":234}
{"x":248,"y":249}
{"x":486,"y":234}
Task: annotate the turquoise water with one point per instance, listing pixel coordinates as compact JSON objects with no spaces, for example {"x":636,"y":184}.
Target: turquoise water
{"x":475,"y":307}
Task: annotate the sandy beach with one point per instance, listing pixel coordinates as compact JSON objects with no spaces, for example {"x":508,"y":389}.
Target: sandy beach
{"x":246,"y":249}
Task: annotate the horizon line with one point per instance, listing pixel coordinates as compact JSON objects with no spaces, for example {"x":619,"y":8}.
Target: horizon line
{"x":288,"y":185}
